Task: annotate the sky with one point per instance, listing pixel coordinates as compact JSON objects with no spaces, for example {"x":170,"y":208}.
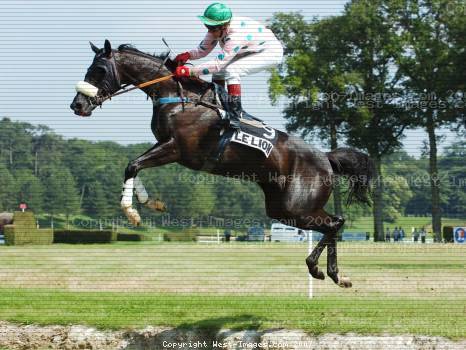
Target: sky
{"x":44,"y":51}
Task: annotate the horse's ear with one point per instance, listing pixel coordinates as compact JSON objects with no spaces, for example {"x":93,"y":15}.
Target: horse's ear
{"x":107,"y":49}
{"x":94,"y":48}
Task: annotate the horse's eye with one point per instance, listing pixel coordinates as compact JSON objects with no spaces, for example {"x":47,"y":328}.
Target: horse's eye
{"x":95,"y":74}
{"x":99,"y":73}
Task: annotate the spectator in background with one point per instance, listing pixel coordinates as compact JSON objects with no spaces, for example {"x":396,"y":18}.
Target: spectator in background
{"x":227,"y":235}
{"x":402,"y":234}
{"x":423,"y":235}
{"x":396,"y":234}
{"x":416,"y":235}
{"x":301,"y":235}
{"x":387,"y":235}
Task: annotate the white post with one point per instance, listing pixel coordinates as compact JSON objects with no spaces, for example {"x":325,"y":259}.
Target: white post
{"x":309,"y":248}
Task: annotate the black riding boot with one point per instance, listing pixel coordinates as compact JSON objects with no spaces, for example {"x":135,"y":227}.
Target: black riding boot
{"x":234,"y":111}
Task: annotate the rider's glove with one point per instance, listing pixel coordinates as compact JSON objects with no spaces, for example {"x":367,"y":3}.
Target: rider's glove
{"x":183,"y":71}
{"x":182,"y":58}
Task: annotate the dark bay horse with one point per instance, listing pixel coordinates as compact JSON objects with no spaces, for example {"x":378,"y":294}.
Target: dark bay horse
{"x":296,"y":178}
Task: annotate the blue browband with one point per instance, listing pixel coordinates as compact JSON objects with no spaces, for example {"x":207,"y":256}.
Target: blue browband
{"x":165,"y":100}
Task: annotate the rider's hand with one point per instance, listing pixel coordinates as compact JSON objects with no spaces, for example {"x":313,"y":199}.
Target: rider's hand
{"x":182,"y":58}
{"x":183,"y":71}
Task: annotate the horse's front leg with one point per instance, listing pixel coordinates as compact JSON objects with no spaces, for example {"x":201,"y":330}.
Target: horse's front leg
{"x":141,"y":192}
{"x":143,"y":196}
{"x":158,"y":155}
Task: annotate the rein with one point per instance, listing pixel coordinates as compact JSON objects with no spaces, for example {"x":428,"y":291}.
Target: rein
{"x":139,"y":86}
{"x":147,"y":83}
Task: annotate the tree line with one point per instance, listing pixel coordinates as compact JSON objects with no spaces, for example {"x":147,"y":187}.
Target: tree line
{"x":58,"y":176}
{"x":365,"y":77}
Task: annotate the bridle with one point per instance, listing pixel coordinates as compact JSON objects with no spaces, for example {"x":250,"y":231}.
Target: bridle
{"x":113,"y":86}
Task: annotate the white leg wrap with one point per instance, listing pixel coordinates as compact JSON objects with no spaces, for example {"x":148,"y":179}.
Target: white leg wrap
{"x":127,"y":202}
{"x":140,"y":190}
{"x":127,"y":193}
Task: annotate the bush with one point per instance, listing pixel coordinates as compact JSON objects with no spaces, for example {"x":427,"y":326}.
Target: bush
{"x":83,"y":236}
{"x":20,"y":236}
{"x":131,"y":237}
{"x":448,"y":234}
{"x":187,"y":235}
{"x":24,"y":231}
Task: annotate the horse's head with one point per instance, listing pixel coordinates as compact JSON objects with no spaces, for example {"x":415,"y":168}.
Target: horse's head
{"x":101,"y":80}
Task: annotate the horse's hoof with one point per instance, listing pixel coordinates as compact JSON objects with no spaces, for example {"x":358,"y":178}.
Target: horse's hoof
{"x":345,"y":282}
{"x":133,"y":216}
{"x":319,"y":275}
{"x":135,"y":220}
{"x":316,"y":273}
{"x":156,"y":205}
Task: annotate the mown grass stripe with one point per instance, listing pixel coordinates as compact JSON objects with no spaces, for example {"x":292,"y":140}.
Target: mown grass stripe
{"x":320,"y":315}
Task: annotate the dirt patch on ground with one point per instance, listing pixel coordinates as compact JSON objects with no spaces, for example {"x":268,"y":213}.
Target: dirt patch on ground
{"x":81,"y":337}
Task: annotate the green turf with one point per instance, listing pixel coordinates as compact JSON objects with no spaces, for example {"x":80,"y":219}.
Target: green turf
{"x":397,"y":288}
{"x":316,"y":316}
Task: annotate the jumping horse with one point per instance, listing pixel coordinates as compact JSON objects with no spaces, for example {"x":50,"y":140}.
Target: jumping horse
{"x":296,"y":179}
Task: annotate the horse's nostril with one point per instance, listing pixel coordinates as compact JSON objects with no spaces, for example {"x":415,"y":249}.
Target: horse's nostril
{"x":78,"y":106}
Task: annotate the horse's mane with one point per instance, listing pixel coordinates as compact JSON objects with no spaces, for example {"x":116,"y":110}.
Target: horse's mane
{"x":170,"y":64}
{"x":133,"y":49}
{"x":195,"y":83}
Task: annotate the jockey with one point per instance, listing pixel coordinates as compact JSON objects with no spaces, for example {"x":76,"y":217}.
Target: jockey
{"x":247,"y":47}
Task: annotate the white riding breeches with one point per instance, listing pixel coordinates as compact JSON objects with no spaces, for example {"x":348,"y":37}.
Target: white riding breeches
{"x":271,"y":56}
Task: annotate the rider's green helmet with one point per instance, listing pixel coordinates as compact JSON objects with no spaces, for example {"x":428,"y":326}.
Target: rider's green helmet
{"x":216,"y":14}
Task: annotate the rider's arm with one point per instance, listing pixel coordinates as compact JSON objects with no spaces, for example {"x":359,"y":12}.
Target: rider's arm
{"x":204,"y":48}
{"x":232,"y":46}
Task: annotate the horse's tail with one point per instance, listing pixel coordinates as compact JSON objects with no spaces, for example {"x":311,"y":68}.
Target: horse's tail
{"x":359,"y":170}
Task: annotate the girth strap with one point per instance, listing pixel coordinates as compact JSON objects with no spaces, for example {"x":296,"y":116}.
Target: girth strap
{"x":215,"y":157}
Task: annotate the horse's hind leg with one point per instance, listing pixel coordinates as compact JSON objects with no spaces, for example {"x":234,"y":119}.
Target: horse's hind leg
{"x":332,"y":267}
{"x":319,"y":221}
{"x":274,"y":208}
{"x":329,"y":225}
{"x":313,"y":259}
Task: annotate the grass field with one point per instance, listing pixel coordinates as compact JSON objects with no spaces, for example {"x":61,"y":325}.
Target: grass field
{"x":398,"y":288}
